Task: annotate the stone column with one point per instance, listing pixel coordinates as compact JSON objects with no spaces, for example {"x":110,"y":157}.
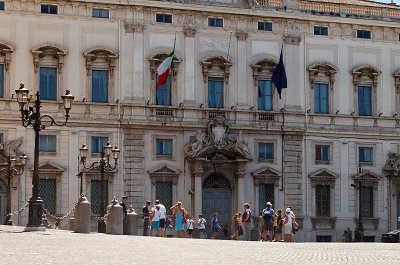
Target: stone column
{"x":189,"y":91}
{"x":197,"y":171}
{"x":241,"y":96}
{"x":240,"y":173}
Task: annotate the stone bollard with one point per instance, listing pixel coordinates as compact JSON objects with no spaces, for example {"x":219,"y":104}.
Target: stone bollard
{"x":132,"y":221}
{"x":115,"y":219}
{"x":82,"y":216}
{"x":71,"y":223}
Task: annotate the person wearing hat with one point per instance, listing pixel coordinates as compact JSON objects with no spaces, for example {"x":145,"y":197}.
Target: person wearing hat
{"x":146,"y":218}
{"x":268,"y":216}
{"x":288,"y":225}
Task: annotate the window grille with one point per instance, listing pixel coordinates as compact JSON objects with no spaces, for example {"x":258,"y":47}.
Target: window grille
{"x":164,"y":194}
{"x":323,"y":200}
{"x":95,"y":195}
{"x":367,"y":205}
{"x":266,"y":194}
{"x":47,"y":191}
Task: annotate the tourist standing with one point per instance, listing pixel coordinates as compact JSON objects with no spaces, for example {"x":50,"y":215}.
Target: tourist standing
{"x":279,"y":225}
{"x":238,"y":226}
{"x":180,"y":219}
{"x":155,"y":221}
{"x":246,"y":218}
{"x":146,"y":218}
{"x":350,"y":233}
{"x":215,"y":226}
{"x":163,"y":214}
{"x":268,"y":216}
{"x":288,"y":226}
{"x":202,"y":226}
{"x":123,"y":203}
{"x":189,"y":226}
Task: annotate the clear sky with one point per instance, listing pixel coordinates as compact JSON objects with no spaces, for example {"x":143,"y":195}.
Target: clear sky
{"x":387,"y":1}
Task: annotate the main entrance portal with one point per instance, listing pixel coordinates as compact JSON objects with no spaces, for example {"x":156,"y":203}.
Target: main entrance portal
{"x":217,"y":198}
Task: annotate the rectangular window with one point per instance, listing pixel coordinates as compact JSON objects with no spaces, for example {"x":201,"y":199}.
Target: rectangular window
{"x":321,"y":31}
{"x":215,"y":22}
{"x":163,"y":93}
{"x":97,"y":144}
{"x":323,"y":200}
{"x":364,"y":101}
{"x":363,"y":34}
{"x":48,"y":193}
{"x":322,"y":153}
{"x":265,"y":194}
{"x":47,"y":143}
{"x":163,"y":147}
{"x":100,"y":86}
{"x":215,"y":92}
{"x":100,"y":13}
{"x":163,"y":18}
{"x":95,"y":195}
{"x":265,"y":26}
{"x":367,"y":203}
{"x":164,"y":194}
{"x":1,"y":80}
{"x":321,"y":100}
{"x":48,"y":9}
{"x":48,"y":83}
{"x":365,"y":154}
{"x":320,"y":239}
{"x":264,"y":95}
{"x":265,"y":151}
{"x":1,"y":5}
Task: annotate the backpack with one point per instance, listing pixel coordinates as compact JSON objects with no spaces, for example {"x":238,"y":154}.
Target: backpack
{"x":268,"y":214}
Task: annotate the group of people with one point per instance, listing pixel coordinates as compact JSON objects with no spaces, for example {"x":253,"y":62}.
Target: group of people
{"x":273,"y":226}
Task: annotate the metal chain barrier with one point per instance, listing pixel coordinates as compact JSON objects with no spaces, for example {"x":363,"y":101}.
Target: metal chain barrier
{"x":59,"y":219}
{"x":20,"y":210}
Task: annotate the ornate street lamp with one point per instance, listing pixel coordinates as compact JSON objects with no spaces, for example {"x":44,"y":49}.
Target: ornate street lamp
{"x":13,"y":169}
{"x":103,"y":165}
{"x":31,"y":117}
{"x":360,"y":227}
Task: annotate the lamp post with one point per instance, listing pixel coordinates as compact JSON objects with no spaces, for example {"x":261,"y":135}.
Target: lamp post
{"x":12,"y":170}
{"x":103,"y":165}
{"x":31,"y":117}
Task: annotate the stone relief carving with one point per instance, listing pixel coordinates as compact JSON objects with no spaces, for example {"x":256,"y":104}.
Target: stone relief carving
{"x":217,"y":141}
{"x":10,"y":149}
{"x":241,"y":35}
{"x":134,"y":27}
{"x":292,"y":39}
{"x":189,"y":31}
{"x":392,"y":166}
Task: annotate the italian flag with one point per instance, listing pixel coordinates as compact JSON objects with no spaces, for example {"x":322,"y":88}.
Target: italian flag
{"x":163,"y":68}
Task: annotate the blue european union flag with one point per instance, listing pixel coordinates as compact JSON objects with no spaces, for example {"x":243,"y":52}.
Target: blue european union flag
{"x":279,"y":76}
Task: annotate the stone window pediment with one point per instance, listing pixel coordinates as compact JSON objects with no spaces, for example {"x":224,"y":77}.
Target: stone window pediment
{"x":217,"y":66}
{"x":323,"y":177}
{"x":263,"y":69}
{"x":266,"y":175}
{"x":5,"y":54}
{"x":100,"y":57}
{"x":323,"y":72}
{"x":164,"y":173}
{"x":157,"y":59}
{"x":49,"y":54}
{"x":367,"y":179}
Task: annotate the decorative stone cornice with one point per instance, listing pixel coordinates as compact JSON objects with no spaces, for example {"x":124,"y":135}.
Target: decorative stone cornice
{"x":292,"y":39}
{"x":189,"y":31}
{"x":164,"y":173}
{"x":241,"y":35}
{"x":134,"y":27}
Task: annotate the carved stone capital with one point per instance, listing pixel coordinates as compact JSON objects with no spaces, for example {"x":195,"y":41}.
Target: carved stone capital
{"x":292,"y":39}
{"x":189,"y":32}
{"x":241,"y":35}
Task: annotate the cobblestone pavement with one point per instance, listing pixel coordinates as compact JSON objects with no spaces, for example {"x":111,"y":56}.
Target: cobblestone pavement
{"x":64,"y":247}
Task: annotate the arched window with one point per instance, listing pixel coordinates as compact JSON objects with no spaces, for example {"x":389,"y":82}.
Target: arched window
{"x":5,"y":59}
{"x":216,"y":79}
{"x":100,"y":65}
{"x":166,"y":93}
{"x":322,"y":78}
{"x":365,"y":81}
{"x":266,"y":94}
{"x":48,"y":61}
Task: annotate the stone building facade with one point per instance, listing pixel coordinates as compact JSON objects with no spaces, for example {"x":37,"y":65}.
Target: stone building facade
{"x":217,"y":135}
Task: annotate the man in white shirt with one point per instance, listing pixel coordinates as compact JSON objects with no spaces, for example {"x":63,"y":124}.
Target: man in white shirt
{"x":163,"y":215}
{"x":202,"y":226}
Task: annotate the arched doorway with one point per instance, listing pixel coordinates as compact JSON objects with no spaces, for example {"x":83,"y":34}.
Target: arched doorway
{"x":217,"y":198}
{"x":3,"y":201}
